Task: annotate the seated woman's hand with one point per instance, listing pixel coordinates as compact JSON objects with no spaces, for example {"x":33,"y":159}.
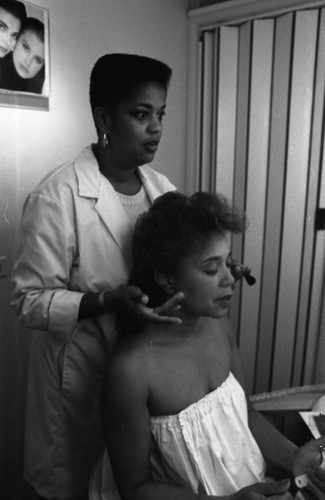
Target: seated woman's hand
{"x":308,"y":460}
{"x":273,"y":490}
{"x":132,"y":301}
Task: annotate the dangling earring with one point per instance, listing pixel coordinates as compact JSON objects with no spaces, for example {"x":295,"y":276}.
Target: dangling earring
{"x":105,"y":140}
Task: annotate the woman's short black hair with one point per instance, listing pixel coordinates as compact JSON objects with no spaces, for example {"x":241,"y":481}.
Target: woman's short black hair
{"x":174,"y":227}
{"x":115,"y":76}
{"x":35,"y":25}
{"x":15,"y":8}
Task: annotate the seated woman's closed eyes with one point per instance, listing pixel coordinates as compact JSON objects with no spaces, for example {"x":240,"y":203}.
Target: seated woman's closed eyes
{"x":177,"y":419}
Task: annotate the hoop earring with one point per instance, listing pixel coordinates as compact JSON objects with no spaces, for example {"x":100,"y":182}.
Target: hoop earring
{"x":105,"y":140}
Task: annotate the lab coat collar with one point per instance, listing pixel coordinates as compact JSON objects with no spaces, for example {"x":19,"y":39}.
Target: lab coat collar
{"x":150,"y":183}
{"x":88,"y":174}
{"x":92,"y":184}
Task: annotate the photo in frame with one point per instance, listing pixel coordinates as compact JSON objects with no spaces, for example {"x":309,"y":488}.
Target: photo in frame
{"x":24,"y":55}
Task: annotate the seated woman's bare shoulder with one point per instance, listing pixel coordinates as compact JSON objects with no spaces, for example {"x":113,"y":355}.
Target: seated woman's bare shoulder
{"x":128,"y":357}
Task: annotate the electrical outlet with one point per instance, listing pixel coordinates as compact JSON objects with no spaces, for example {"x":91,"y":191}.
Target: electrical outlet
{"x":3,"y":267}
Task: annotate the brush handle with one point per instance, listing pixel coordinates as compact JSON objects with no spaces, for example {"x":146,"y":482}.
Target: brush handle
{"x":248,"y":277}
{"x":239,"y":271}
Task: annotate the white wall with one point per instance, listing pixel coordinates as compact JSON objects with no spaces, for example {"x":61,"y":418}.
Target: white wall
{"x":34,"y":142}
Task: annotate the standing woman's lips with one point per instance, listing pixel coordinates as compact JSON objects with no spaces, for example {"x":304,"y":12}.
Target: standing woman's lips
{"x":152,"y":145}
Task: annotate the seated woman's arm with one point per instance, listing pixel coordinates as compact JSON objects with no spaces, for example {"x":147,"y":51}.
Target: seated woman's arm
{"x":274,"y":446}
{"x":279,"y":450}
{"x":128,"y":436}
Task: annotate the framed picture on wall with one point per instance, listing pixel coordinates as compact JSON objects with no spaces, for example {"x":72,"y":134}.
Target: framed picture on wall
{"x":24,"y":55}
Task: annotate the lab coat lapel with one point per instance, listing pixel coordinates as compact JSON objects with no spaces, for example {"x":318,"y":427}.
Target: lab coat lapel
{"x":92,"y":184}
{"x":152,"y":187}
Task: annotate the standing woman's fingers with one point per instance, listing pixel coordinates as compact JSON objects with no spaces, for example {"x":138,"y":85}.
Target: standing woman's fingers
{"x":171,"y":305}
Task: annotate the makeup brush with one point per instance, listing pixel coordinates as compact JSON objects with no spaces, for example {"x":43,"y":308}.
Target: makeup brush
{"x":239,"y":271}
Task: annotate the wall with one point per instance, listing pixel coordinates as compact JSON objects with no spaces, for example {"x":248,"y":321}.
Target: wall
{"x":33,"y":142}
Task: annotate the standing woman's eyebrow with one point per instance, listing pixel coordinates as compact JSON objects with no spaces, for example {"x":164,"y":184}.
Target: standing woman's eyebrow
{"x":149,"y":106}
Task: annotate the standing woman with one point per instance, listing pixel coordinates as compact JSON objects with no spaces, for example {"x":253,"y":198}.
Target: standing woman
{"x":73,"y":265}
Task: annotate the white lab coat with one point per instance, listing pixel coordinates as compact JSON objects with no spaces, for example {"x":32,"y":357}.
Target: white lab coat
{"x":75,"y":238}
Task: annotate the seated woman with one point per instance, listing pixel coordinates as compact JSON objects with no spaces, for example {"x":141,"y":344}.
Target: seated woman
{"x":178,"y":422}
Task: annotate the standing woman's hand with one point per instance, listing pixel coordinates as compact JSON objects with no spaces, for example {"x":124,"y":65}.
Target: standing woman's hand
{"x":132,"y":301}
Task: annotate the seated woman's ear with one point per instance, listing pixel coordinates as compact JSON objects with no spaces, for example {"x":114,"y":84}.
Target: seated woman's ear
{"x":165,"y":282}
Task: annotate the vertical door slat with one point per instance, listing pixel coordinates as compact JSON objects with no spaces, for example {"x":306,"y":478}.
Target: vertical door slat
{"x":241,"y":139}
{"x":295,"y":197}
{"x":315,"y":344}
{"x":226,"y":110}
{"x":319,"y":372}
{"x":308,"y":310}
{"x":274,"y":199}
{"x":206,"y":146}
{"x":260,"y":98}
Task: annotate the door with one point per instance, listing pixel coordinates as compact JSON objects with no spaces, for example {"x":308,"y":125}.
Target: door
{"x":256,"y":123}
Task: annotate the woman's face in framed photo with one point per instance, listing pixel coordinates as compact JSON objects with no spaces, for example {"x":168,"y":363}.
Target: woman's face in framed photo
{"x":28,"y":55}
{"x":9,"y":31}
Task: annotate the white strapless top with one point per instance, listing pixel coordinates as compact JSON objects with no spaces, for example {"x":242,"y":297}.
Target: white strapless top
{"x":208,"y":447}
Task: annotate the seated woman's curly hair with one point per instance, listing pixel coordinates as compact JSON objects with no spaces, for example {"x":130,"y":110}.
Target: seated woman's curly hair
{"x":174,"y":227}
